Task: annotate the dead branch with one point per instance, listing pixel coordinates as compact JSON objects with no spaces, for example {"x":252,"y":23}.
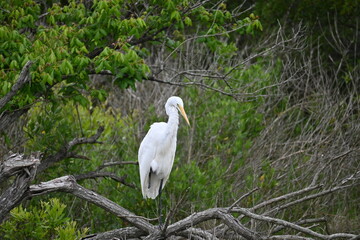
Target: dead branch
{"x":23,"y":78}
{"x":294,"y":226}
{"x":110,"y":164}
{"x":68,"y":184}
{"x":285,"y":197}
{"x":15,"y":163}
{"x":341,"y":186}
{"x":65,"y":151}
{"x":301,"y":222}
{"x":111,"y":175}
{"x":25,"y":168}
{"x":184,"y":227}
{"x":123,"y":233}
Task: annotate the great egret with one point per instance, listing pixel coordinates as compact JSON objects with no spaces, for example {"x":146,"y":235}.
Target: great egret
{"x":157,"y":151}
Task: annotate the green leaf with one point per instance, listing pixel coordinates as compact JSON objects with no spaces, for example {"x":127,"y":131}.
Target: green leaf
{"x":52,"y":57}
{"x":175,"y":15}
{"x":188,"y":21}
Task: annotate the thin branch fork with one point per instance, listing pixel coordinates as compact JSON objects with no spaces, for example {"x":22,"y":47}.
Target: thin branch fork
{"x":113,"y":176}
{"x":110,"y":164}
{"x":65,"y":151}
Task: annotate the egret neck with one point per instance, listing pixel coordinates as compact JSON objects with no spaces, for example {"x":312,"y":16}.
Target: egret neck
{"x":173,"y":121}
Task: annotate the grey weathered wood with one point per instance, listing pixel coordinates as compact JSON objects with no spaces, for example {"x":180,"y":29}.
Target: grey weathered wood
{"x":68,"y":184}
{"x":122,"y":233}
{"x":25,"y":168}
{"x":15,"y":163}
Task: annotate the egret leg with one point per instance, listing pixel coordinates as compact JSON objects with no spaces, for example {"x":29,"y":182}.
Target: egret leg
{"x":150,"y":177}
{"x":160,"y":216}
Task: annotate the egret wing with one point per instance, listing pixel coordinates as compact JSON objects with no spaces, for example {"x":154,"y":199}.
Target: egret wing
{"x":148,"y":151}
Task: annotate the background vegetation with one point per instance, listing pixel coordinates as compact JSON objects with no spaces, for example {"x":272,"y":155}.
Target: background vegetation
{"x":271,"y":89}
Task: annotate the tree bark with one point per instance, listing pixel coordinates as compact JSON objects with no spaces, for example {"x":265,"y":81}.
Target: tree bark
{"x":25,"y":168}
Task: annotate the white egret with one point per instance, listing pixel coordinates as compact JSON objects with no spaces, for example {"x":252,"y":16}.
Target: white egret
{"x":157,"y":151}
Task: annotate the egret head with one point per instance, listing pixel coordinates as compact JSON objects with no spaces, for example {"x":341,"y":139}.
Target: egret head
{"x":178,"y":104}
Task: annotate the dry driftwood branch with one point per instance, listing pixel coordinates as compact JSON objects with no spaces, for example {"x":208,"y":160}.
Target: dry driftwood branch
{"x":184,"y":227}
{"x":68,"y":184}
{"x":197,"y":233}
{"x":281,"y":224}
{"x":23,"y":78}
{"x":15,"y":163}
{"x":294,"y":226}
{"x":123,"y":233}
{"x":25,"y":168}
{"x":300,"y":222}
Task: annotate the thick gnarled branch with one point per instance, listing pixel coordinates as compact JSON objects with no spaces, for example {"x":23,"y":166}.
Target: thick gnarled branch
{"x":186,"y":227}
{"x":68,"y":184}
{"x":25,"y":168}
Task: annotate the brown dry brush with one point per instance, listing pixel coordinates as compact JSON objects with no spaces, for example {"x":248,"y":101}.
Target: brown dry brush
{"x":314,"y":136}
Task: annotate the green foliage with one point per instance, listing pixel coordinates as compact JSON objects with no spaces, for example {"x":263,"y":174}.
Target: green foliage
{"x":48,"y":221}
{"x":69,"y":41}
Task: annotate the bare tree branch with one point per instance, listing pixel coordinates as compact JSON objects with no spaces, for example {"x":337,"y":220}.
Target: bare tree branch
{"x":68,"y":184}
{"x":23,"y":78}
{"x":110,"y":164}
{"x":122,"y":233}
{"x":294,"y":226}
{"x":184,"y":227}
{"x":25,"y":168}
{"x":65,"y":151}
{"x":111,"y":175}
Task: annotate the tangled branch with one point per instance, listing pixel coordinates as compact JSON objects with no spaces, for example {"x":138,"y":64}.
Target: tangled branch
{"x":187,"y":226}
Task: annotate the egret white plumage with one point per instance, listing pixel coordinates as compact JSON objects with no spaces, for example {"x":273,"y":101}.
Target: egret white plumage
{"x":157,"y":150}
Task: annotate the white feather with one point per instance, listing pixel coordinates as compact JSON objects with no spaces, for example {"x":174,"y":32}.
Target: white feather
{"x":157,"y":151}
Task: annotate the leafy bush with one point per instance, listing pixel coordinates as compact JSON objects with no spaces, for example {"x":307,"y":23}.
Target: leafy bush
{"x":48,"y":221}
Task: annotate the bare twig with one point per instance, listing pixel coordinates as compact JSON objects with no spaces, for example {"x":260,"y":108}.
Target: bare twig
{"x":65,"y":151}
{"x":241,"y":198}
{"x":294,"y":226}
{"x":111,"y":175}
{"x":110,"y":164}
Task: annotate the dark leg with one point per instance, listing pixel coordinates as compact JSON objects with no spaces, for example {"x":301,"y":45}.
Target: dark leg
{"x":160,"y":216}
{"x":150,"y":177}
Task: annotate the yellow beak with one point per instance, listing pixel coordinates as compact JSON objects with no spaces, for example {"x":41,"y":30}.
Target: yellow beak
{"x":183,"y":113}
